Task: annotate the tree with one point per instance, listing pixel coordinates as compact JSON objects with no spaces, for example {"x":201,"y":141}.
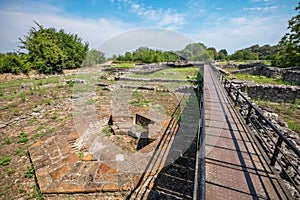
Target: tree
{"x":51,"y":51}
{"x":289,"y":45}
{"x":213,"y":53}
{"x":93,"y":57}
{"x":243,"y":54}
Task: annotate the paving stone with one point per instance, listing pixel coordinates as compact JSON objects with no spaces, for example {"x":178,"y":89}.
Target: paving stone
{"x":71,"y":158}
{"x":57,"y":173}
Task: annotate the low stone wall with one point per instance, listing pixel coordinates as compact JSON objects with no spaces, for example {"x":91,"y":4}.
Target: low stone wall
{"x":273,"y":93}
{"x":291,"y":75}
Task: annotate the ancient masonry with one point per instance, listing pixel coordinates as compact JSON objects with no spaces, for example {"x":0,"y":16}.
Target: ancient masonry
{"x":83,"y":160}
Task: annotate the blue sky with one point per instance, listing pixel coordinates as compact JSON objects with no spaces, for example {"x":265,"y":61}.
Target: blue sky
{"x":229,"y":24}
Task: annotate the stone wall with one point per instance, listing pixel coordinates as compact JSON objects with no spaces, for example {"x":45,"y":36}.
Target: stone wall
{"x":291,"y":75}
{"x":273,"y":93}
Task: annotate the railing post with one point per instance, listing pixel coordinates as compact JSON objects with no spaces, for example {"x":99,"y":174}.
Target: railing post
{"x":236,"y":98}
{"x":276,"y":151}
{"x":229,"y":91}
{"x":248,"y":114}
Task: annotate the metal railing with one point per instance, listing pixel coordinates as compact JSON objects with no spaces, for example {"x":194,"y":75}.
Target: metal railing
{"x":281,"y":151}
{"x":199,"y":182}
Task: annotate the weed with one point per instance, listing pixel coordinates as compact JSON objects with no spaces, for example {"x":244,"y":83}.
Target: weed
{"x":31,"y":91}
{"x":10,"y":171}
{"x":42,"y":91}
{"x":89,"y":102}
{"x":23,"y":140}
{"x":32,"y":120}
{"x":6,"y":107}
{"x":22,"y":96}
{"x":23,"y":137}
{"x":41,"y":127}
{"x":5,"y":160}
{"x":107,"y":131}
{"x":19,"y":152}
{"x":30,"y":172}
{"x":21,"y":190}
{"x":7,"y":140}
{"x":80,"y":155}
{"x":1,"y":92}
{"x":71,"y":83}
{"x":293,"y":126}
{"x":48,"y":101}
{"x":15,"y":111}
{"x":55,"y":116}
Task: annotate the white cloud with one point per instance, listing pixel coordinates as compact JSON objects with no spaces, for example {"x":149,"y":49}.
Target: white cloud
{"x":164,"y":18}
{"x":262,"y":8}
{"x":16,"y":23}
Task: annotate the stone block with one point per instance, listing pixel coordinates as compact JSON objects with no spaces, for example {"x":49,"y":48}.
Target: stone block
{"x":71,"y":158}
{"x":59,"y":172}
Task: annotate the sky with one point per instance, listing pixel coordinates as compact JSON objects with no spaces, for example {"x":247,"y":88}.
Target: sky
{"x":223,"y":24}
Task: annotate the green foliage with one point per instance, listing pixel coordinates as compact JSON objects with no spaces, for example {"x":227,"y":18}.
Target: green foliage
{"x":260,"y":79}
{"x":197,"y":52}
{"x":10,"y":171}
{"x":5,"y":160}
{"x":289,"y":45}
{"x":146,"y":55}
{"x":293,"y":126}
{"x":93,"y":57}
{"x":30,"y":172}
{"x":14,"y":63}
{"x":80,"y":155}
{"x":107,"y":131}
{"x":125,"y":65}
{"x":7,"y":140}
{"x":243,"y":54}
{"x":50,"y":51}
{"x":23,"y":137}
{"x":90,"y":102}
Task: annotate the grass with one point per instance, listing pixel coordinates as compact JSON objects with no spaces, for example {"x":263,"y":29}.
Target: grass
{"x":170,"y":73}
{"x":80,"y":155}
{"x":7,"y":140}
{"x":260,"y":79}
{"x":286,"y":111}
{"x":30,"y":172}
{"x":107,"y":131}
{"x":23,"y":137}
{"x":125,"y":65}
{"x":89,"y":102}
{"x":5,"y":160}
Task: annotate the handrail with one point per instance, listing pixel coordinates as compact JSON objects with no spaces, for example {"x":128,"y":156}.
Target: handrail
{"x":200,"y":171}
{"x":256,"y":117}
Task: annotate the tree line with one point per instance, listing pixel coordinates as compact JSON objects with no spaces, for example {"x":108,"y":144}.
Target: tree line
{"x":48,"y":50}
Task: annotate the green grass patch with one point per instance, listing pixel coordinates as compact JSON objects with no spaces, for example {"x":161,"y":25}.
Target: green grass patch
{"x":125,"y":65}
{"x":89,"y":102}
{"x":107,"y":131}
{"x":180,"y":73}
{"x":30,"y":172}
{"x":293,"y":126}
{"x":5,"y":160}
{"x":23,"y":137}
{"x":260,"y":79}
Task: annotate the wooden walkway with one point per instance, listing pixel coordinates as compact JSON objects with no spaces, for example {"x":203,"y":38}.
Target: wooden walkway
{"x":235,"y":167}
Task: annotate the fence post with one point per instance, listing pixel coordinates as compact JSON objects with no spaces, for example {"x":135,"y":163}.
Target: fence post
{"x":248,"y":114}
{"x":236,"y":98}
{"x":276,"y":151}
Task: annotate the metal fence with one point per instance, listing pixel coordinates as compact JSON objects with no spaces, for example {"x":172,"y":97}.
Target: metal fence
{"x":199,"y":182}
